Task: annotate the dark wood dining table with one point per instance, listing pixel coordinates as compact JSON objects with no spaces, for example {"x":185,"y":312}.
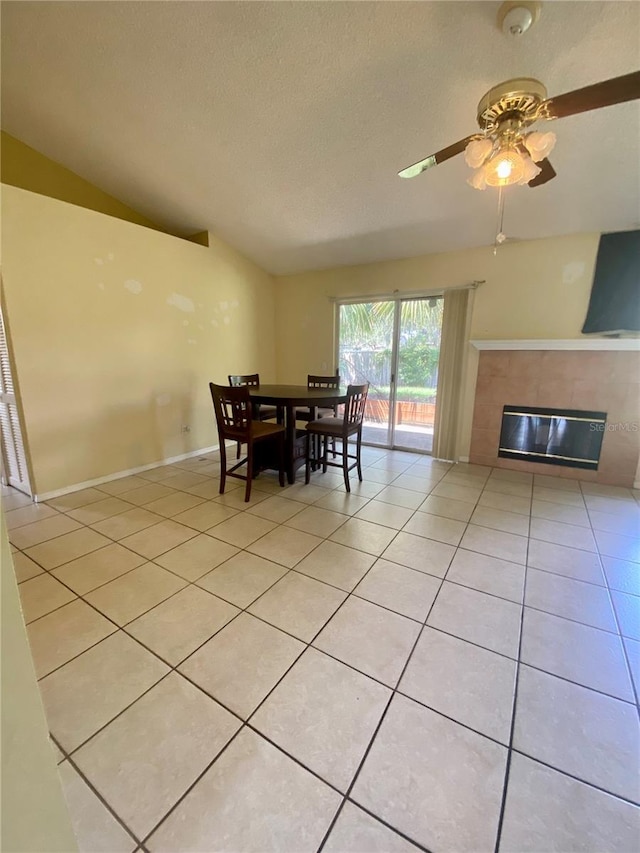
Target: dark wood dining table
{"x":288,"y":398}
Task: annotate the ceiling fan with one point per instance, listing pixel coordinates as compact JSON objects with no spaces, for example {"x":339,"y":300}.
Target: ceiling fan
{"x":505,"y":151}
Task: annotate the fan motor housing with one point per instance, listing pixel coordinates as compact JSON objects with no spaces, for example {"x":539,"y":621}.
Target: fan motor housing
{"x":518,"y":100}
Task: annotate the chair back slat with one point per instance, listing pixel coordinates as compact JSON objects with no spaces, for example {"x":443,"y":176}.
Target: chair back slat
{"x":237,"y":379}
{"x":232,"y":407}
{"x":323,"y":381}
{"x":355,"y":405}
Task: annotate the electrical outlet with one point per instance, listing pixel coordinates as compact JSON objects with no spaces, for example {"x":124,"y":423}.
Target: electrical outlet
{"x":186,"y":428}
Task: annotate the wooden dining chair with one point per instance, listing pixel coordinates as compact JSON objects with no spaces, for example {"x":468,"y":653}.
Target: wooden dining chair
{"x":313,"y":381}
{"x":263,"y":413}
{"x":233,"y":411}
{"x":341,"y":429}
{"x":312,"y":413}
{"x":260,"y":412}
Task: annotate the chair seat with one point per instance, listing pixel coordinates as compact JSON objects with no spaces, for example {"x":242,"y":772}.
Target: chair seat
{"x":330,"y":426}
{"x":262,"y":429}
{"x":259,"y":430}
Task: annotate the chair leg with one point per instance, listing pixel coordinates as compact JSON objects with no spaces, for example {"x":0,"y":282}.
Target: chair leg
{"x":325,"y":440}
{"x":223,"y":465}
{"x":307,"y":457}
{"x":333,"y":441}
{"x":345,"y":463}
{"x":238,"y":450}
{"x":281,"y":459}
{"x":358,"y":446}
{"x":247,"y":491}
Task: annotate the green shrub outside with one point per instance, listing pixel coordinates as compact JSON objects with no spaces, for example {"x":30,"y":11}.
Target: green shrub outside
{"x":405,"y":394}
{"x":418,"y":361}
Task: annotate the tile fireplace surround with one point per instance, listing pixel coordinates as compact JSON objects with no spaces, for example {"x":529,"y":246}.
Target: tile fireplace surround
{"x":603,"y":380}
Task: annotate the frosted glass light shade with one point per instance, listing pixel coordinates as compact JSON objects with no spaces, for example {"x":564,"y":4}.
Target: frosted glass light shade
{"x":477,"y":152}
{"x":539,"y":145}
{"x":530,"y":170}
{"x":478,"y":180}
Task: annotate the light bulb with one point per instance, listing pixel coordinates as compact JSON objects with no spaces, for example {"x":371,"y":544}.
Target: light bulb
{"x":504,"y":169}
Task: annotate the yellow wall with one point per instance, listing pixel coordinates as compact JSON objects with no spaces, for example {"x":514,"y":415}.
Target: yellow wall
{"x":22,"y":166}
{"x":34,"y":813}
{"x":534,"y":289}
{"x":116,"y":332}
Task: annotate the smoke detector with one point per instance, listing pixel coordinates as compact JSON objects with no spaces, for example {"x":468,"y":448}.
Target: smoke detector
{"x":515,"y":17}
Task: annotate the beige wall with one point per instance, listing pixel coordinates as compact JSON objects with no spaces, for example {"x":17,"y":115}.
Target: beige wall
{"x":116,"y":332}
{"x":534,"y":289}
{"x":34,"y":813}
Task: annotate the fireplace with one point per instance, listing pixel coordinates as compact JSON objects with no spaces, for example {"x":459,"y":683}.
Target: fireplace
{"x":542,"y":378}
{"x":567,"y":437}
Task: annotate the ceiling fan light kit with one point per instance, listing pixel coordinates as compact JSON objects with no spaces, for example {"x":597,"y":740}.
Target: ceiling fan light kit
{"x":508,"y":109}
{"x":505,"y":152}
{"x":510,"y":159}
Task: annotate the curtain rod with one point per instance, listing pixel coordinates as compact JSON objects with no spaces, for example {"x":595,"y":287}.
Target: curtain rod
{"x":397,"y":295}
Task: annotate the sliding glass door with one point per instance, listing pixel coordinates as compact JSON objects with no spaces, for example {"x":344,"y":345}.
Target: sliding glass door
{"x":394,"y":345}
{"x":366,"y":332}
{"x":418,"y":352}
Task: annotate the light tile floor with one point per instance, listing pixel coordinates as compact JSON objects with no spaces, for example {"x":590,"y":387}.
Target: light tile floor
{"x":443,"y":660}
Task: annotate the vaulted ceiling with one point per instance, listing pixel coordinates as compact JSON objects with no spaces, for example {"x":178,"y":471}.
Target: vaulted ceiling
{"x":281,"y":126}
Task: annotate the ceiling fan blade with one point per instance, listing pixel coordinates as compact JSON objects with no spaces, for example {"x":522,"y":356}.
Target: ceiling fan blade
{"x":547,"y":172}
{"x":605,"y":94}
{"x":438,"y":157}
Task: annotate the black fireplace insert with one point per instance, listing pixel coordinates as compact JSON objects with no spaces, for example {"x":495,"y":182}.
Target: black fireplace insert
{"x":566,"y":437}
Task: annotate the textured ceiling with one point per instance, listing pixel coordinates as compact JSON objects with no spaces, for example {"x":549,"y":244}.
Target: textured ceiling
{"x":281,"y":126}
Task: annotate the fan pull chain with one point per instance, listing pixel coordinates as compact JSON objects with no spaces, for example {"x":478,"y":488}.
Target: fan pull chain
{"x":500,"y":235}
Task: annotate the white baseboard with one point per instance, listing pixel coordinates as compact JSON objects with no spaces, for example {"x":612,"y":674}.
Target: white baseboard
{"x":636,"y":485}
{"x":56,"y":493}
{"x":463,"y":458}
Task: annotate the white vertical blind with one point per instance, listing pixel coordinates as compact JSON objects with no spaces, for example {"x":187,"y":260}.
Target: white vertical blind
{"x":13,"y":456}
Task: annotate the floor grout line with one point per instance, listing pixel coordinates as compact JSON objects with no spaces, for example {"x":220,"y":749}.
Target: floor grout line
{"x":104,"y":802}
{"x":514,"y":710}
